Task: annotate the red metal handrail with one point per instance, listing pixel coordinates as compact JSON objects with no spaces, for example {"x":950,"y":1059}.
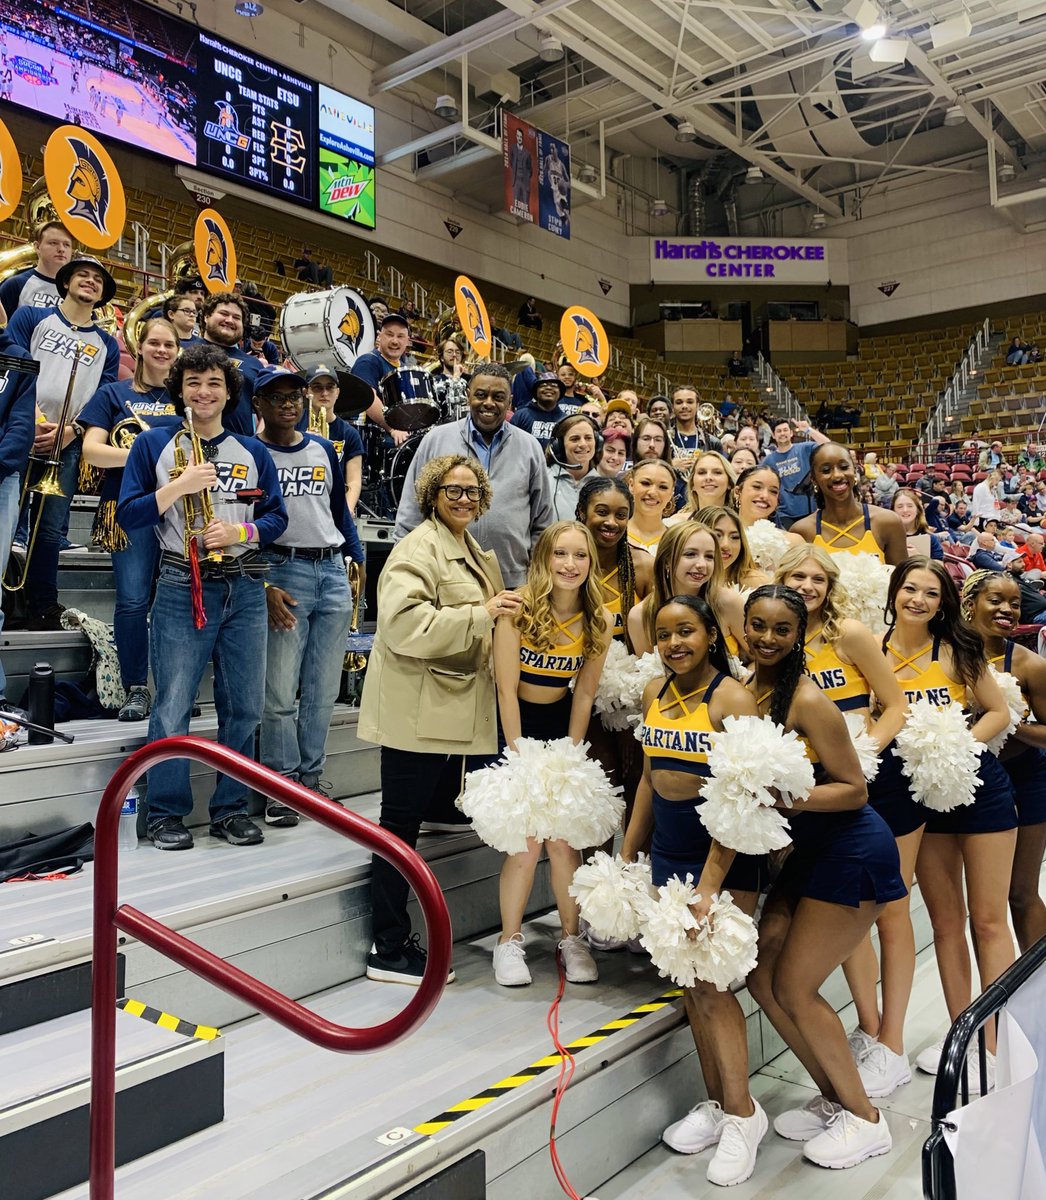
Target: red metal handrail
{"x":109,"y":918}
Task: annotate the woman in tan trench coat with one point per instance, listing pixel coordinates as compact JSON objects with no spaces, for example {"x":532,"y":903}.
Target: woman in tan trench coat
{"x":428,"y":699}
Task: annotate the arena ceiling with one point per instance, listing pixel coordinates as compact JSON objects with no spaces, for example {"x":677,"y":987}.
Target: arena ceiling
{"x":791,"y":87}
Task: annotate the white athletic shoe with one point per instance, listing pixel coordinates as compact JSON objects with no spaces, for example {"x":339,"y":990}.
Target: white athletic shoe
{"x":510,"y":963}
{"x":882,"y":1071}
{"x":930,"y":1058}
{"x":698,"y":1130}
{"x":596,"y":941}
{"x":860,"y":1043}
{"x":578,"y":963}
{"x":849,"y":1140}
{"x":802,"y":1124}
{"x":734,"y":1159}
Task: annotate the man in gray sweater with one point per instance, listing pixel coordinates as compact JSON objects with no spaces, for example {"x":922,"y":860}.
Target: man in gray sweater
{"x":522,"y":506}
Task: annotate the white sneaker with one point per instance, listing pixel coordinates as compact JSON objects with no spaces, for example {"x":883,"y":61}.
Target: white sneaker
{"x":802,"y":1124}
{"x":930,"y":1058}
{"x":596,"y":941}
{"x":578,"y":963}
{"x":510,"y":963}
{"x":849,"y":1140}
{"x":860,"y":1043}
{"x":882,"y":1071}
{"x":698,"y":1130}
{"x":734,"y":1159}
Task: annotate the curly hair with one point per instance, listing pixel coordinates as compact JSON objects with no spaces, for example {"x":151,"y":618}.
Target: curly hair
{"x":742,"y":566}
{"x":793,"y":668}
{"x":626,"y":571}
{"x":966,"y":644}
{"x":217,"y":298}
{"x":669,"y":552}
{"x":432,"y":474}
{"x":693,"y":503}
{"x":837,"y":605}
{"x":196,"y":360}
{"x":534,"y":617}
{"x":706,"y":615}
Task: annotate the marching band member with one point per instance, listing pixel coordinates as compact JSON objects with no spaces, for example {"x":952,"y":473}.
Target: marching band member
{"x":839,"y":513}
{"x":54,"y":337}
{"x":545,"y":409}
{"x":322,"y":393}
{"x":37,"y":287}
{"x":391,"y":345}
{"x":307,"y":592}
{"x":181,"y":310}
{"x":687,"y":438}
{"x":208,"y":605}
{"x":129,"y":406}
{"x":560,"y":634}
{"x":687,"y":709}
{"x":16,"y":438}
{"x":223,"y":318}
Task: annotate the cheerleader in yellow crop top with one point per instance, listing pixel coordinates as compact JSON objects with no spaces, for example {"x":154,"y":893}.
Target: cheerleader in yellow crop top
{"x":937,"y":658}
{"x":680,"y":716}
{"x":842,"y":869}
{"x":841,"y":524}
{"x":559,"y":634}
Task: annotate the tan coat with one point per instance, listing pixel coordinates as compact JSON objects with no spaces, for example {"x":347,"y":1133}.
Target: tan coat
{"x":430,"y":680}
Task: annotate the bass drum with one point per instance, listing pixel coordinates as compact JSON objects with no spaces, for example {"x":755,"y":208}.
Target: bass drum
{"x":400,"y":466}
{"x":330,"y":329}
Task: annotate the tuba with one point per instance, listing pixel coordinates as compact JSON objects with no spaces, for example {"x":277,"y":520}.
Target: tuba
{"x":707,"y":419}
{"x":184,"y":256}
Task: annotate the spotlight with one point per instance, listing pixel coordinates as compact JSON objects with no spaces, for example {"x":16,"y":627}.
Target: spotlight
{"x":753,"y":175}
{"x":1007,"y":173}
{"x":954,"y":115}
{"x":685,"y":132}
{"x":248,"y":8}
{"x":588,"y":174}
{"x":658,"y":208}
{"x":874,"y":32}
{"x":550,"y":49}
{"x":446,"y":107}
{"x":818,"y":220}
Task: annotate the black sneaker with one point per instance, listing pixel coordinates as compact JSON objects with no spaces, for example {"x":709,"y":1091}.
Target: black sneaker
{"x":280,"y":815}
{"x":237,"y":830}
{"x":137,"y":706}
{"x":324,"y":788}
{"x":405,"y":965}
{"x":49,"y":621}
{"x":169,"y":833}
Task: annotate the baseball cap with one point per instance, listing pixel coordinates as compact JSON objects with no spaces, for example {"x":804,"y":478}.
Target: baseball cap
{"x":618,"y":405}
{"x":85,"y":260}
{"x":394,"y":319}
{"x":271,"y":375}
{"x":321,"y":371}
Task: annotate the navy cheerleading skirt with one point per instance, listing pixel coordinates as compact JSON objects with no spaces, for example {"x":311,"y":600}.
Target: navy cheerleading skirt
{"x":993,"y":810}
{"x":842,"y":858}
{"x":681,"y":845}
{"x":1027,"y":772}
{"x":890,"y":794}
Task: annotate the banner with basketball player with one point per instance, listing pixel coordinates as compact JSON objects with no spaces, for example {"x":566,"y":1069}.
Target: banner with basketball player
{"x":536,"y":176}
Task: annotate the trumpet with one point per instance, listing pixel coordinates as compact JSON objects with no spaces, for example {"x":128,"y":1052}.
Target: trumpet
{"x":198,"y":509}
{"x":319,"y":422}
{"x":48,"y":484}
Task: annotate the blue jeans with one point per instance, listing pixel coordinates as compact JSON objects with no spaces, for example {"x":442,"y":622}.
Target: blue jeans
{"x":134,"y":573}
{"x":10,"y":490}
{"x":294,"y":732}
{"x":234,"y":639}
{"x":41,"y":589}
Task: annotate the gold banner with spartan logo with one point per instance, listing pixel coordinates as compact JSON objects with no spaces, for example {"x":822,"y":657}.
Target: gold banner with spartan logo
{"x":10,"y":174}
{"x":215,"y":251}
{"x":85,"y":187}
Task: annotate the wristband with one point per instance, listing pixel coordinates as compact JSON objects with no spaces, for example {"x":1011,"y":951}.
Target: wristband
{"x":252,"y":532}
{"x":241,"y":533}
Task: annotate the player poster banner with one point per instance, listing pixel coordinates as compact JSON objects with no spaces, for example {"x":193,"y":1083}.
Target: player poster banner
{"x":10,"y":174}
{"x":536,"y":176}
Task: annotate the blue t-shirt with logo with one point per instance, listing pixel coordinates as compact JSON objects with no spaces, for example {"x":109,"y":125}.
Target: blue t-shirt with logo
{"x":793,"y":466}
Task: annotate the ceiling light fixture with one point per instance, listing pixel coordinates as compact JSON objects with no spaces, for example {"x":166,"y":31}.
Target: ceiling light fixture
{"x":685,"y":132}
{"x":818,"y":220}
{"x":588,"y":174}
{"x":658,"y":208}
{"x":248,"y":8}
{"x":947,"y":33}
{"x":550,"y":49}
{"x":954,"y":115}
{"x":893,"y":51}
{"x":753,"y":175}
{"x":1007,"y":173}
{"x":446,"y":107}
{"x":874,"y":32}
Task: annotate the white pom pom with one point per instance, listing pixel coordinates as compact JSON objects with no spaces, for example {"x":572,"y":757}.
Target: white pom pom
{"x":621,"y":684}
{"x":1010,"y":687}
{"x":864,"y":581}
{"x":748,"y":758}
{"x":939,"y":756}
{"x":767,"y":544}
{"x":581,"y":805}
{"x":613,"y":895}
{"x":866,"y":746}
{"x":500,"y":799}
{"x":717,"y":950}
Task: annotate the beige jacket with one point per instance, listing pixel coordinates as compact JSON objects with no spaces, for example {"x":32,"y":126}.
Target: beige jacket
{"x":430,"y":680}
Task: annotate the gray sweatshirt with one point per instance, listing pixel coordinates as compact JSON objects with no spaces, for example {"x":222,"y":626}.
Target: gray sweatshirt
{"x":522,"y":506}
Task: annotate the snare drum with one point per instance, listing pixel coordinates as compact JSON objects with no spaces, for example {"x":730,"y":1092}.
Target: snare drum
{"x":330,"y":329}
{"x":410,"y":400}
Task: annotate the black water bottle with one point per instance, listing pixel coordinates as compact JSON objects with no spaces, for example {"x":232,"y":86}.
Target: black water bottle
{"x":41,"y":703}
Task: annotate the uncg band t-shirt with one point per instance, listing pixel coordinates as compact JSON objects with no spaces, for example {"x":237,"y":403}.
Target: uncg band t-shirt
{"x":793,"y":467}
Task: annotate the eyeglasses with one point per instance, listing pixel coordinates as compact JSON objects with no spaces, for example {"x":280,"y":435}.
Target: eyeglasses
{"x":283,"y":398}
{"x":455,"y":491}
{"x":186,"y":312}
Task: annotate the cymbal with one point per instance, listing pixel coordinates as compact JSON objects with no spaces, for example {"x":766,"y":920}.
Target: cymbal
{"x":355,"y":395}
{"x":514,"y":368}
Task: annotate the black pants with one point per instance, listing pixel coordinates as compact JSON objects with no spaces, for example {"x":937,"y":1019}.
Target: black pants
{"x":415,"y":787}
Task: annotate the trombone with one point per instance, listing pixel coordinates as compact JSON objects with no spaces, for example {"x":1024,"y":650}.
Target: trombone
{"x":48,"y":484}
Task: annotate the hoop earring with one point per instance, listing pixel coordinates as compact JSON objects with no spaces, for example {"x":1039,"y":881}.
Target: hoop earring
{"x":797,"y":647}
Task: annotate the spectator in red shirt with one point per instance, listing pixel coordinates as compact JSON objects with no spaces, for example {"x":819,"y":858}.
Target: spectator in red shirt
{"x":1030,"y":558}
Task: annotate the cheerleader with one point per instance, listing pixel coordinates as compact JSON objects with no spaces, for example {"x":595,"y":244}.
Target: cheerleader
{"x":652,"y":484}
{"x":845,"y":660}
{"x":842,"y":525}
{"x":680,"y":716}
{"x":141,"y":402}
{"x":739,"y":567}
{"x":605,"y":507}
{"x":991,"y":603}
{"x":842,"y":869}
{"x":560,"y":634}
{"x":708,"y":483}
{"x":687,"y":563}
{"x":937,"y":658}
{"x":756,"y":496}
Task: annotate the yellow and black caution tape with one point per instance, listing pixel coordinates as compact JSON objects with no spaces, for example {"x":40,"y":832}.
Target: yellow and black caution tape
{"x":464,"y":1107}
{"x":204,"y":1033}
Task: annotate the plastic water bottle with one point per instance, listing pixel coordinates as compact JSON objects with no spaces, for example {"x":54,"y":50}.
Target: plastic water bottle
{"x":129,"y":821}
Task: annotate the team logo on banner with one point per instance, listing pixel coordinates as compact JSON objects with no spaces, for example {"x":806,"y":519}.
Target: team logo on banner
{"x":85,"y":187}
{"x":472,"y":313}
{"x":353,"y":325}
{"x":215,"y":252}
{"x":585,"y":342}
{"x":10,"y":174}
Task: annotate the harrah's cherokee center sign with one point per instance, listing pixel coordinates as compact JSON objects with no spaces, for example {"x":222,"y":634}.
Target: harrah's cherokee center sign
{"x":753,"y":260}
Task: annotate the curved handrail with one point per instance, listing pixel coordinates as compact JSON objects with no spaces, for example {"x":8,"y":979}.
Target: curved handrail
{"x":109,"y":917}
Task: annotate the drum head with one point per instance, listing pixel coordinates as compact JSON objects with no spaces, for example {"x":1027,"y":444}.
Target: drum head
{"x":410,"y":400}
{"x":350,"y":324}
{"x":330,"y":329}
{"x":400,"y":465}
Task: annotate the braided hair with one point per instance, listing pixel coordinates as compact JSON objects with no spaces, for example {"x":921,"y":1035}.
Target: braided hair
{"x":974,"y":584}
{"x":626,"y":571}
{"x":794,"y":666}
